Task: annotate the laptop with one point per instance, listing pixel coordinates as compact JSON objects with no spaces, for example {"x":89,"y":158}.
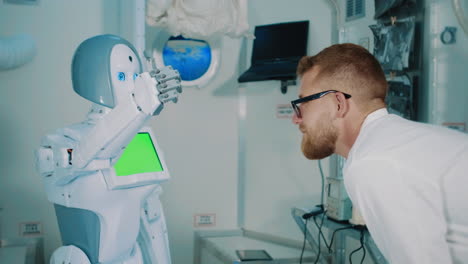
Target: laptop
{"x":277,"y":49}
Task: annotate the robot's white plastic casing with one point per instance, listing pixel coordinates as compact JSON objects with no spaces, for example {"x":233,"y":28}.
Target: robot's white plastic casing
{"x":121,"y":213}
{"x":69,"y":255}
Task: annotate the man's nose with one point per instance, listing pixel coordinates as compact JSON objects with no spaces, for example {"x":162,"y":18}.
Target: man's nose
{"x":296,"y":120}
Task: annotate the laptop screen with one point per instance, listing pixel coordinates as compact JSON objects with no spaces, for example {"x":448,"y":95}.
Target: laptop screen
{"x":280,"y":41}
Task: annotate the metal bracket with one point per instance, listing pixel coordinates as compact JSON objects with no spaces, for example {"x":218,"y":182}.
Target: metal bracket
{"x":448,"y":36}
{"x":285,"y":84}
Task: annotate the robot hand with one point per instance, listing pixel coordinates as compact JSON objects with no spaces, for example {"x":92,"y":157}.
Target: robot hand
{"x":168,"y":84}
{"x":154,"y":89}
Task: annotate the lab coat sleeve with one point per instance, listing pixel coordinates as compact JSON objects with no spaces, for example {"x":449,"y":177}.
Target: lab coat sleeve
{"x":404,"y":216}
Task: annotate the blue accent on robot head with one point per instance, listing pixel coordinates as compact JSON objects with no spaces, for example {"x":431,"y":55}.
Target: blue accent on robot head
{"x":121,"y":76}
{"x":91,"y":76}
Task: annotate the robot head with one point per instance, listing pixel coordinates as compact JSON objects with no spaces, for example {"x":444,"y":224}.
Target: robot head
{"x":102,"y":67}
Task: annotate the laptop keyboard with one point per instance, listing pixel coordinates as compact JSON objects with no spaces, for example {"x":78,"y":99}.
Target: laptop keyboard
{"x":274,"y":68}
{"x":269,"y":71}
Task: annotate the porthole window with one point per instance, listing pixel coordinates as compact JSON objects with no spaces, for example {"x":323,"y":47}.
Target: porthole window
{"x":191,"y":57}
{"x":196,"y":60}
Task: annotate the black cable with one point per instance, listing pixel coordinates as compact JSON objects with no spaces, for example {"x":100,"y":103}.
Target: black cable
{"x":305,"y":237}
{"x":318,"y":248}
{"x":363,"y":247}
{"x":323,"y":181}
{"x":321,"y":233}
{"x":359,"y":248}
{"x":333,"y":235}
{"x":308,"y":215}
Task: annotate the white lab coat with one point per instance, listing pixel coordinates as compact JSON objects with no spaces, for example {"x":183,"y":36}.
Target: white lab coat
{"x":410,"y":182}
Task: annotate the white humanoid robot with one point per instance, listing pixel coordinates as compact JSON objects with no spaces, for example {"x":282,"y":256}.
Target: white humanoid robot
{"x":103,"y":174}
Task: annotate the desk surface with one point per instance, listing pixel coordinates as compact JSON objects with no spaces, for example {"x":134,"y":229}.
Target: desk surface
{"x":229,"y":245}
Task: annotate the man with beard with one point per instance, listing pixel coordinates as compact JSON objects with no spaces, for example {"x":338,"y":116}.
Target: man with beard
{"x":407,"y":179}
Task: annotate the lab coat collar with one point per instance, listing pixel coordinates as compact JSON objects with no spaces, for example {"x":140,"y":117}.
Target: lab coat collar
{"x":374,"y":116}
{"x":369,"y":119}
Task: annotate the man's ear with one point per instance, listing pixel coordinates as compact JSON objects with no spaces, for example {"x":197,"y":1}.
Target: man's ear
{"x":342,"y":105}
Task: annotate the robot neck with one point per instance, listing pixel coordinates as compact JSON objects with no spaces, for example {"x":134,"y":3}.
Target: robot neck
{"x":97,"y":112}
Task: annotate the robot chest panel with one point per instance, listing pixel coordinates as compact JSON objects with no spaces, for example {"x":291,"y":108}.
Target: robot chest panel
{"x":141,"y":163}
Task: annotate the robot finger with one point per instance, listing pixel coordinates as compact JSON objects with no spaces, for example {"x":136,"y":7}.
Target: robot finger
{"x":170,"y":96}
{"x":166,"y":74}
{"x":170,"y":85}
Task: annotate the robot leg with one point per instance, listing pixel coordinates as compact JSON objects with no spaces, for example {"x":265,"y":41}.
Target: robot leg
{"x":153,"y":237}
{"x":69,"y":255}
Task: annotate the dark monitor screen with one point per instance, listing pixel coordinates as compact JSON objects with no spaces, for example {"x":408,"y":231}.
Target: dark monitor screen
{"x":280,"y":41}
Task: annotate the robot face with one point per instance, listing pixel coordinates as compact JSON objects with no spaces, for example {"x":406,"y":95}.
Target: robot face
{"x":124,"y":68}
{"x":103,"y":69}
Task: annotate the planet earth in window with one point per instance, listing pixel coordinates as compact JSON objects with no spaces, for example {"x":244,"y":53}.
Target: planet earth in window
{"x":191,"y":57}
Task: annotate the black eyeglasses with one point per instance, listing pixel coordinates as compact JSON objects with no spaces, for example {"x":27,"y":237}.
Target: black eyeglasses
{"x":295,"y":103}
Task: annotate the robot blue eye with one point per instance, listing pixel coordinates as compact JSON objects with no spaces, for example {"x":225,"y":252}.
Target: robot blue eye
{"x":135,"y":75}
{"x":121,"y":76}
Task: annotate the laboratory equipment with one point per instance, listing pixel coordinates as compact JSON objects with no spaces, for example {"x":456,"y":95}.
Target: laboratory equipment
{"x":338,"y":233}
{"x":338,"y":204}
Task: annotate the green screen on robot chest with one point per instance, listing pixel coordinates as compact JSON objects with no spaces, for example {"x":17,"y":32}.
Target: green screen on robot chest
{"x":139,"y":156}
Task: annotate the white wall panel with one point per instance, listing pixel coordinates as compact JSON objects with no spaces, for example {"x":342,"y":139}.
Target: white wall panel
{"x":38,"y":98}
{"x":277,"y":175}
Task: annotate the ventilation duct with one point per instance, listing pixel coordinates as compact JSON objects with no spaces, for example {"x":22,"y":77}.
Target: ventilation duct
{"x":16,"y":51}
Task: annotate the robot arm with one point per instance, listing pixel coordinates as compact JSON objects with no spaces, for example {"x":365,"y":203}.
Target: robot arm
{"x":70,"y":153}
{"x":167,"y":82}
{"x":115,"y":130}
{"x":102,"y":71}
